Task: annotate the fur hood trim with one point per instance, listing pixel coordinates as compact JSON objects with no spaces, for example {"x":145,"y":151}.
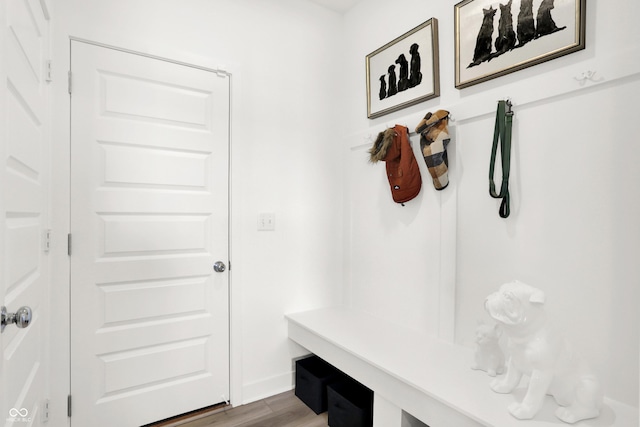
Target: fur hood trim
{"x":381,"y":145}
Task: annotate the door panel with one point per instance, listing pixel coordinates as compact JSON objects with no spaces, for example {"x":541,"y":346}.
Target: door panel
{"x":149,"y":217}
{"x":23,"y":209}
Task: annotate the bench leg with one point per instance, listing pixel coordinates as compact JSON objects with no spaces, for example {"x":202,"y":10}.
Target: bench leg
{"x":385,"y":413}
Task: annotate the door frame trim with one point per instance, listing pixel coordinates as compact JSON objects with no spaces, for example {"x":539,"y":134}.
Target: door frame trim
{"x":148,"y":55}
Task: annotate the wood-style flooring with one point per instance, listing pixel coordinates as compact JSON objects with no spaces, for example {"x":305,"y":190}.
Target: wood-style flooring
{"x":282,"y":410}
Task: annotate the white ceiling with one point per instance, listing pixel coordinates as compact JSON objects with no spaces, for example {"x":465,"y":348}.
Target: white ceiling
{"x":340,"y":6}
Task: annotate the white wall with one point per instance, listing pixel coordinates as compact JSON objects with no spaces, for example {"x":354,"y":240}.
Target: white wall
{"x":573,"y":229}
{"x":284,"y":127}
{"x":392,"y":250}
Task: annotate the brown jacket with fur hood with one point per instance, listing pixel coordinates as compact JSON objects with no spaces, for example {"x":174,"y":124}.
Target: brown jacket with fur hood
{"x":392,"y":146}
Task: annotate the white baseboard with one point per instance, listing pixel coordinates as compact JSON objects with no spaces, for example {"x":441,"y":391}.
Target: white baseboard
{"x":267,"y":387}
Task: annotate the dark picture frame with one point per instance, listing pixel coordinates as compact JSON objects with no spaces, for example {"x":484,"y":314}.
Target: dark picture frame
{"x":494,"y":38}
{"x":404,"y":71}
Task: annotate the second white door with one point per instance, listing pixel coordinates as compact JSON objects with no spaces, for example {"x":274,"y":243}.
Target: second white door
{"x":149,"y":218}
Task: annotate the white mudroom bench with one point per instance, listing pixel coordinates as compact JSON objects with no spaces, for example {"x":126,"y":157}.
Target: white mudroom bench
{"x":420,"y":380}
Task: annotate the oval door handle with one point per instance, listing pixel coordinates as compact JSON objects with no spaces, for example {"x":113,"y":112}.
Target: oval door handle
{"x":219,"y":267}
{"x":21,"y":318}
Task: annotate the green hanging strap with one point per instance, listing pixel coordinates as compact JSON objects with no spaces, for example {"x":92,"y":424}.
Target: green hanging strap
{"x":502,"y":133}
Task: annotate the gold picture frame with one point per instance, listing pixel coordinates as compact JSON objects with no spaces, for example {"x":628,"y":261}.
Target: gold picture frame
{"x":494,"y":38}
{"x":404,"y":71}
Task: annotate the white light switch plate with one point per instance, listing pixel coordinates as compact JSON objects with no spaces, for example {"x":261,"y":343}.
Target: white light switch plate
{"x":266,"y":221}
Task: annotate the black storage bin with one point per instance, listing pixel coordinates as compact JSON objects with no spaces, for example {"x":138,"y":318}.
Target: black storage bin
{"x":312,"y":377}
{"x":350,"y":404}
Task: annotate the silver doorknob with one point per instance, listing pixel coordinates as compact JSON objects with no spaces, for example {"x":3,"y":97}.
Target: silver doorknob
{"x":219,"y":267}
{"x":21,"y":318}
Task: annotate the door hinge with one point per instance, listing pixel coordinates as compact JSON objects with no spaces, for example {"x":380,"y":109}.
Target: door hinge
{"x":69,"y":75}
{"x":47,"y":71}
{"x":69,"y":406}
{"x":46,"y":240}
{"x":69,"y":244}
{"x":45,"y":410}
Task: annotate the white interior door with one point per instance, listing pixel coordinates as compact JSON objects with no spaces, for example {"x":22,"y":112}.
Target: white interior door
{"x":24,"y":217}
{"x":149,"y":218}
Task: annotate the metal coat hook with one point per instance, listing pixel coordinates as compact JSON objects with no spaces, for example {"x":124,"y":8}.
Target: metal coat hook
{"x":509,"y":105}
{"x":586,"y":75}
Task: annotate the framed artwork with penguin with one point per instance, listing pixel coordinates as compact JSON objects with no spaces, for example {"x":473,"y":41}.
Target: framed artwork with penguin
{"x":498,"y":37}
{"x":404,"y":72}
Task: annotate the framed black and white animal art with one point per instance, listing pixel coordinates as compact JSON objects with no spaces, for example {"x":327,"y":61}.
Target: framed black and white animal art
{"x":497,"y":37}
{"x":404,"y":72}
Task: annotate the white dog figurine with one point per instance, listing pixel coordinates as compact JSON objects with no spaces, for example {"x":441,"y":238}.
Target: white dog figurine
{"x":536,"y":349}
{"x":488,"y":356}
